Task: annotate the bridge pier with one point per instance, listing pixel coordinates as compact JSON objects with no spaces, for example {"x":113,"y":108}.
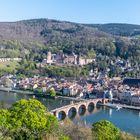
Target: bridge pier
{"x":103,"y":101}
{"x":56,"y":114}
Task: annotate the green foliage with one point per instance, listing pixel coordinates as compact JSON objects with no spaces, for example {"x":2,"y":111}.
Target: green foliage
{"x":9,"y":53}
{"x":4,"y":124}
{"x":8,"y":67}
{"x":38,"y":90}
{"x":27,"y":119}
{"x":4,"y":119}
{"x":27,"y":68}
{"x":105,"y":130}
{"x":91,"y":54}
{"x":28,"y":114}
{"x":52,"y":92}
{"x":52,"y":124}
{"x":64,"y":71}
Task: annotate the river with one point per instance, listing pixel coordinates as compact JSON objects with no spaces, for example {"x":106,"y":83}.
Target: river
{"x":126,"y":120}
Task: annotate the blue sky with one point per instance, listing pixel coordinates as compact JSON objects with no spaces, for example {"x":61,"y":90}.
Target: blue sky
{"x":82,"y":11}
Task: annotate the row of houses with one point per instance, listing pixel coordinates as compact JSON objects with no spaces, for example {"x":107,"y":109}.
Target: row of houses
{"x":129,"y":97}
{"x":124,"y":92}
{"x":62,"y":86}
{"x":127,"y":91}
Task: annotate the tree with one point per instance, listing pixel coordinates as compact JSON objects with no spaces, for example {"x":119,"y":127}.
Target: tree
{"x":105,"y":130}
{"x":52,"y":92}
{"x":4,"y":123}
{"x":28,"y":115}
{"x":52,"y":124}
{"x":29,"y":120}
{"x":76,"y":132}
{"x":27,"y":68}
{"x":4,"y":116}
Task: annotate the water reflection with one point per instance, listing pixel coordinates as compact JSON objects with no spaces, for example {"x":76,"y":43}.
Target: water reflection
{"x":90,"y":107}
{"x":110,"y":112}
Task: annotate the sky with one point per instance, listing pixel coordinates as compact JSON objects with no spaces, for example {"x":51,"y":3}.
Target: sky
{"x":80,"y":11}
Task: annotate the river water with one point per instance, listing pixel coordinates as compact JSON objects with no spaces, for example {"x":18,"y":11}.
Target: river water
{"x":126,"y":120}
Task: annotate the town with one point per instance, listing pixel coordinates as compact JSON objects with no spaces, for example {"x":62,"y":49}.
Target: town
{"x":96,"y":85}
{"x":70,"y":70}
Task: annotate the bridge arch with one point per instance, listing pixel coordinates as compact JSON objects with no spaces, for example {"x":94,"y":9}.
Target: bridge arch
{"x":91,"y":106}
{"x":82,"y":109}
{"x":106,"y":101}
{"x":62,"y":115}
{"x":98,"y":104}
{"x":72,"y":112}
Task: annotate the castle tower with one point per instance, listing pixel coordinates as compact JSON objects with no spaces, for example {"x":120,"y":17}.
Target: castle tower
{"x":49,"y":57}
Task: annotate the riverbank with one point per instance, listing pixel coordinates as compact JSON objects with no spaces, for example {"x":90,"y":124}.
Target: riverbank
{"x":118,"y":106}
{"x":114,"y":105}
{"x":16,"y":91}
{"x":39,"y":95}
{"x":30,"y":93}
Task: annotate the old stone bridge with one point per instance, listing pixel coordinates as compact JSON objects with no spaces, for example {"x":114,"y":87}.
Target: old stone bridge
{"x":78,"y":107}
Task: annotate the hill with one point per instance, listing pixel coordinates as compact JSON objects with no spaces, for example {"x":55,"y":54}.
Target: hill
{"x":31,"y":35}
{"x":118,"y":29}
{"x":45,"y":29}
{"x":33,"y":38}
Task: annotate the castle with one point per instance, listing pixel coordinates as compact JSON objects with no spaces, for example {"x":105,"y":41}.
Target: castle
{"x":61,"y":58}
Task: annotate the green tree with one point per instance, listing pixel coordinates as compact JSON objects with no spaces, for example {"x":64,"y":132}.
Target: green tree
{"x":28,"y":115}
{"x":52,"y":92}
{"x":105,"y":130}
{"x":29,"y":120}
{"x":4,"y":123}
{"x":4,"y":116}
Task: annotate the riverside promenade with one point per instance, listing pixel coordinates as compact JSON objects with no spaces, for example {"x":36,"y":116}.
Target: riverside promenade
{"x":122,"y":106}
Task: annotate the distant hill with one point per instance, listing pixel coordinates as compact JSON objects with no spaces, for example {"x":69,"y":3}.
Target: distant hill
{"x":38,"y":36}
{"x":59,"y":32}
{"x":127,"y":30}
{"x":32,"y":39}
{"x":47,"y":30}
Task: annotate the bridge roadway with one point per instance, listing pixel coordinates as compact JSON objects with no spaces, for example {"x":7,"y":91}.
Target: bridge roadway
{"x":76,"y":107}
